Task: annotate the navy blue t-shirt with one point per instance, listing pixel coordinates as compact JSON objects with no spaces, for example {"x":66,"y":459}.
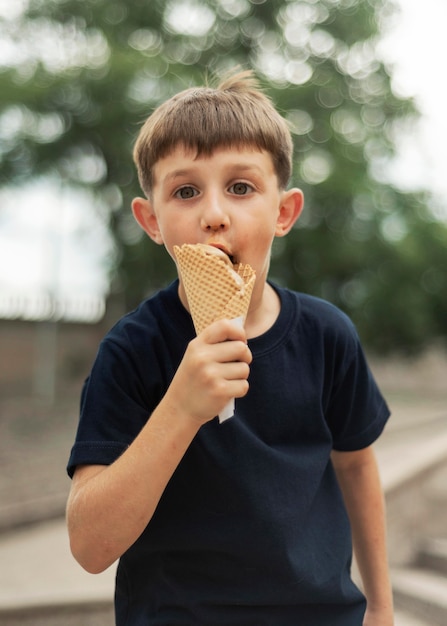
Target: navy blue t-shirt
{"x":251,"y":529}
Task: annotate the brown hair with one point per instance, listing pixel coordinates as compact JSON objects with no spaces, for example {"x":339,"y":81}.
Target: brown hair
{"x":236,"y":113}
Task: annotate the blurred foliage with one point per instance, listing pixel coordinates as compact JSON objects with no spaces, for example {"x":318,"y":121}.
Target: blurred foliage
{"x":78,"y":78}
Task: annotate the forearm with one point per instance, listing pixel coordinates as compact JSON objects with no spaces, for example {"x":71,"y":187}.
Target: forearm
{"x":360,"y":484}
{"x":109,"y":507}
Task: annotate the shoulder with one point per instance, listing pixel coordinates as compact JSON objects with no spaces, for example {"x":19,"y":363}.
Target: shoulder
{"x":320,"y":331}
{"x":143,"y":347}
{"x":156,"y":323}
{"x":145,"y":315}
{"x":317,"y":315}
{"x":162,"y":312}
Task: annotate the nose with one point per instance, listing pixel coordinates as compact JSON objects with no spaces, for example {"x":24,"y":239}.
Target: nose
{"x":214,"y":217}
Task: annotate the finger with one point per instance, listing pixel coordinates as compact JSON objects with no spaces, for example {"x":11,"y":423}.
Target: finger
{"x":224,"y":330}
{"x":233,"y":351}
{"x":237,"y":388}
{"x":237,"y":370}
{"x":232,"y":383}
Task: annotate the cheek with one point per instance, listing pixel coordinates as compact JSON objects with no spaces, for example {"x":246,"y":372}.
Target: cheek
{"x":176,"y":234}
{"x":257,"y":244}
{"x":263,"y":232}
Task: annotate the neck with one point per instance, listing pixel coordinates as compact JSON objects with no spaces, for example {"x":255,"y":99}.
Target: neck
{"x":263,"y":312}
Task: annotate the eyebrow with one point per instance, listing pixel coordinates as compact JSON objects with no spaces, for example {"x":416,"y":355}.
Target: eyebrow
{"x":238,"y":167}
{"x":243,"y":167}
{"x":172,"y":176}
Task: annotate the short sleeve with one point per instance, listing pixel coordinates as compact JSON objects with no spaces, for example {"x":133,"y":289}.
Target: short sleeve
{"x":135,"y":364}
{"x":356,"y":412}
{"x":114,"y":407}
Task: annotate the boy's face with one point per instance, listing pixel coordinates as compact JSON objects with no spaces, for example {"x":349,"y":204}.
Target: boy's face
{"x":229,"y":199}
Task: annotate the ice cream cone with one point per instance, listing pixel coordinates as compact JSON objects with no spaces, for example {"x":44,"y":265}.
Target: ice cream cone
{"x":214,"y":289}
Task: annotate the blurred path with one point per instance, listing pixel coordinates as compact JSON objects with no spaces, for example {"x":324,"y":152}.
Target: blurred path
{"x":415,"y":434}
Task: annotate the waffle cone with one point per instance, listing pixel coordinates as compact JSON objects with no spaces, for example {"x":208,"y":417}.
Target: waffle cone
{"x":214,"y":291}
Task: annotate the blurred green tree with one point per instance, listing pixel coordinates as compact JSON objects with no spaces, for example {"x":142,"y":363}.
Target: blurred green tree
{"x":78,"y":78}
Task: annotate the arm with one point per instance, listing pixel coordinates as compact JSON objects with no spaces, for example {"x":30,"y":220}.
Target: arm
{"x":110,"y":506}
{"x":359,"y":481}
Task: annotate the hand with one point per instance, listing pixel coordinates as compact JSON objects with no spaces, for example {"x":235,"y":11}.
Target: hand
{"x":379,"y":617}
{"x":214,"y":369}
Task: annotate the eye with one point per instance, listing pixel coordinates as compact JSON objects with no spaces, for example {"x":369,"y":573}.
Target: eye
{"x":240,"y":189}
{"x":185,"y":193}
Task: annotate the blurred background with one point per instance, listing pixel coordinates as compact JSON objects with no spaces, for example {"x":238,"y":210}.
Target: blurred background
{"x":362,"y":85}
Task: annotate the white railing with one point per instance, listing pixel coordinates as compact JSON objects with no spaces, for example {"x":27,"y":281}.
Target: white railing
{"x":85,"y":309}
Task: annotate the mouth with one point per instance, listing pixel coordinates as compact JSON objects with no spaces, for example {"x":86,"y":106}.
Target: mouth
{"x":225,"y":251}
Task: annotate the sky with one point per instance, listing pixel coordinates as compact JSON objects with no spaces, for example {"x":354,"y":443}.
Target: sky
{"x":417,"y":45}
{"x":54,"y":242}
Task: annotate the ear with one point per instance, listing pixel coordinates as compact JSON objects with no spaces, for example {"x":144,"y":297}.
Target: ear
{"x":144,"y":214}
{"x":292,"y":204}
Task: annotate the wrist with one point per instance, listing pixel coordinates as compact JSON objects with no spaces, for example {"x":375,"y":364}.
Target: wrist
{"x":176,"y":418}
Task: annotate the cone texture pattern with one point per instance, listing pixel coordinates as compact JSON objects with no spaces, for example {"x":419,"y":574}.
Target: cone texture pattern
{"x":213,"y":290}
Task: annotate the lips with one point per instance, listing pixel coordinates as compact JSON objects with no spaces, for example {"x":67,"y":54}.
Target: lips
{"x":223,"y":249}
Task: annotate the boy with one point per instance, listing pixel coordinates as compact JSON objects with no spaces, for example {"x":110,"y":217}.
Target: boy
{"x":240,"y":523}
